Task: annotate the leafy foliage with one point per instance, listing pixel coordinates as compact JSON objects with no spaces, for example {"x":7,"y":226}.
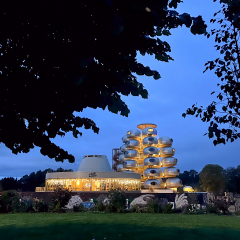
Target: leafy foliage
{"x":60,"y":198}
{"x":191,"y":178}
{"x":224,"y":114}
{"x":233,"y":179}
{"x":117,"y":200}
{"x":40,"y":206}
{"x":80,"y":54}
{"x":213,"y":179}
{"x":10,"y":201}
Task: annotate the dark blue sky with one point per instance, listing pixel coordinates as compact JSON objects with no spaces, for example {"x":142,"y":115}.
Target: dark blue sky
{"x":182,"y":84}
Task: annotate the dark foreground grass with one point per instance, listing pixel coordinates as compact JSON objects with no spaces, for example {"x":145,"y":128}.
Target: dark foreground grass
{"x":132,"y":226}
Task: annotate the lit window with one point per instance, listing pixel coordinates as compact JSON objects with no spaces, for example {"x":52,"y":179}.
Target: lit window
{"x":129,"y":132}
{"x":150,"y":130}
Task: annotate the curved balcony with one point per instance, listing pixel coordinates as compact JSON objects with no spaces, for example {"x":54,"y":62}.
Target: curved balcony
{"x":131,"y":153}
{"x":152,"y":173}
{"x":123,"y":148}
{"x":153,"y":183}
{"x":150,"y":151}
{"x":171,"y":172}
{"x":150,"y":141}
{"x":169,"y":162}
{"x":130,"y":164}
{"x":132,"y":143}
{"x":167,"y":152}
{"x":149,"y":131}
{"x":120,"y":168}
{"x":151,"y":161}
{"x":173,"y":183}
{"x":134,"y":134}
{"x":165,"y":142}
{"x":125,"y":138}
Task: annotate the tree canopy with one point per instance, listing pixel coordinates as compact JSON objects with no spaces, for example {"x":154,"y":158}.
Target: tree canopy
{"x":213,"y":179}
{"x":223,"y":114}
{"x":59,"y":57}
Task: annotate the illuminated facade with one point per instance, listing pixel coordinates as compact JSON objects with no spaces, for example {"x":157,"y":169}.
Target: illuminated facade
{"x":94,"y":174}
{"x":143,"y":153}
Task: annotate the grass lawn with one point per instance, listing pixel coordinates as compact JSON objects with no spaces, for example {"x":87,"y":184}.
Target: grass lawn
{"x":132,"y":226}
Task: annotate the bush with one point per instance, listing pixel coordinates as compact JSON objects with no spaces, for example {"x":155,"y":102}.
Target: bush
{"x":79,"y":208}
{"x":117,"y":201}
{"x":211,"y":209}
{"x":26,"y":204}
{"x":100,"y":206}
{"x":153,"y":206}
{"x":192,"y":209}
{"x":40,"y":206}
{"x":60,"y":198}
{"x":140,"y":209}
{"x":222,"y":206}
{"x":10,"y":201}
{"x":167,"y":208}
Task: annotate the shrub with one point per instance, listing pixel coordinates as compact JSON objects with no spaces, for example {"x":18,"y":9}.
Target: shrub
{"x":167,"y":208}
{"x":140,"y":209}
{"x":117,"y":200}
{"x":60,"y":198}
{"x":100,"y":206}
{"x":10,"y":201}
{"x":153,"y":206}
{"x":79,"y":208}
{"x":222,"y":206}
{"x":192,"y":209}
{"x":211,"y":209}
{"x":40,"y":206}
{"x":26,"y":204}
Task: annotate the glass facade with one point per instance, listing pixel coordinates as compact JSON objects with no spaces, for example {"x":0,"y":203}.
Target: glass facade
{"x":94,"y":184}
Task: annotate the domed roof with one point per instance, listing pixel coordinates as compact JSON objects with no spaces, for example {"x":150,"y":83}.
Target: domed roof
{"x":94,"y":163}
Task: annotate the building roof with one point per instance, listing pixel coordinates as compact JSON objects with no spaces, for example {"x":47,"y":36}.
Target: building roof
{"x":95,"y":163}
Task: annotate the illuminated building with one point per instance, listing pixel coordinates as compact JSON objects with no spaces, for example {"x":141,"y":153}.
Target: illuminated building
{"x":143,"y":153}
{"x":94,"y":174}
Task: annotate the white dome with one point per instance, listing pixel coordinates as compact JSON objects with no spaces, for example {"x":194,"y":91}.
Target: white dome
{"x":95,"y":163}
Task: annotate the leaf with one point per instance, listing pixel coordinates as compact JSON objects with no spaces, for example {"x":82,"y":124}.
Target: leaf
{"x":156,"y":75}
{"x":224,"y":108}
{"x":186,"y":18}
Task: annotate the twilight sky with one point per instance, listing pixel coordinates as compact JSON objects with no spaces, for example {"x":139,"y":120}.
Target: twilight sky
{"x":182,"y":84}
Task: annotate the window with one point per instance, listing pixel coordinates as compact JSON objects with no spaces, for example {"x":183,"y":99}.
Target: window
{"x":151,"y":149}
{"x":153,"y":171}
{"x":150,"y":130}
{"x":128,"y":142}
{"x":151,"y":139}
{"x":129,"y":132}
{"x":153,"y":183}
{"x":126,"y":153}
{"x":151,"y":160}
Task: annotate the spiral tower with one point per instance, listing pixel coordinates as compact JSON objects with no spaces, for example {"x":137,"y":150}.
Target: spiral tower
{"x":152,"y":157}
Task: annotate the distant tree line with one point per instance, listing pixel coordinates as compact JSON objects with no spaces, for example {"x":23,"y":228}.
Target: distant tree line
{"x":213,"y":178}
{"x":28,"y":182}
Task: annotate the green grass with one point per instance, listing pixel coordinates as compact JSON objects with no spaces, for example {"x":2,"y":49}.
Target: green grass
{"x":71,"y":226}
